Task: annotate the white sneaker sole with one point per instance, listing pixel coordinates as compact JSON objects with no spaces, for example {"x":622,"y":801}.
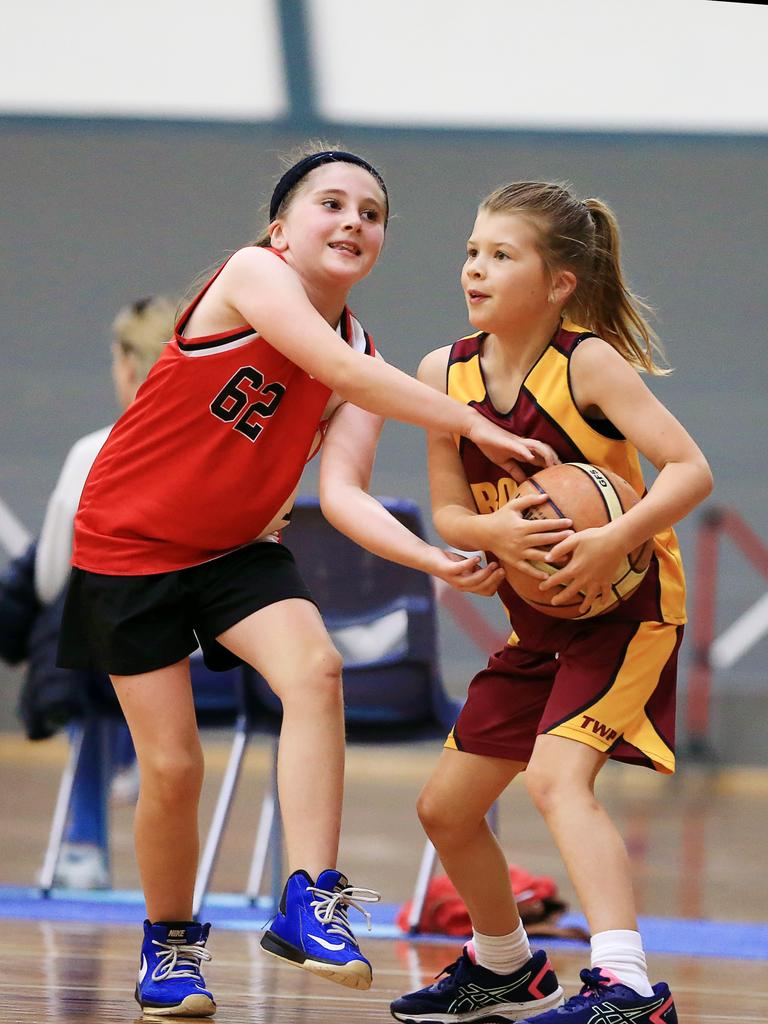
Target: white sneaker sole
{"x":355,"y":974}
{"x":190,"y":1006}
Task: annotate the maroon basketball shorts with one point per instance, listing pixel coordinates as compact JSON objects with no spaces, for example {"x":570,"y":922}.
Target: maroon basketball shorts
{"x":612,"y":686}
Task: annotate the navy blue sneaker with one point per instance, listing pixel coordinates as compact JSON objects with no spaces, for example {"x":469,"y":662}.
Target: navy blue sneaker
{"x":311,"y":929}
{"x":170,"y":982}
{"x":605,"y":1000}
{"x":465,"y":991}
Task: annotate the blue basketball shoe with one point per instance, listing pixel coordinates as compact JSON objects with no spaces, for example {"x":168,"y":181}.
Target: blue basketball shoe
{"x":312,"y":931}
{"x":465,"y":991}
{"x":170,"y":982}
{"x":605,"y":1000}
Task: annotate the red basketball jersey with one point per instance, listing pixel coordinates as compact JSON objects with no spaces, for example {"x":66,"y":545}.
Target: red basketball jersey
{"x":205,"y":457}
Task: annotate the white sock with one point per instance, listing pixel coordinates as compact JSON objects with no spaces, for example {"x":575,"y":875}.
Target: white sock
{"x":621,"y":952}
{"x":502,"y":954}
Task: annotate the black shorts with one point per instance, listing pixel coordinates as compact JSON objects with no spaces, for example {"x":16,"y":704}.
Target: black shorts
{"x":125,"y":625}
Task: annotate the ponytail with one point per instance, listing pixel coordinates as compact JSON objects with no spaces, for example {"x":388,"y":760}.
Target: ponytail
{"x":613,"y":312}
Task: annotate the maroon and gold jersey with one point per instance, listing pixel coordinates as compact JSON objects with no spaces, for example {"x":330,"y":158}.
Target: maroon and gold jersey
{"x":545,"y":410}
{"x":206,"y":456}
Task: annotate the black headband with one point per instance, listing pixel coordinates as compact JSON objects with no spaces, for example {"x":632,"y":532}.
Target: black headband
{"x":300,"y":170}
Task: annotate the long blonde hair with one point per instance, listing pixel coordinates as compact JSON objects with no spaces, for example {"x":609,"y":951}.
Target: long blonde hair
{"x":584,"y":237}
{"x":143,"y":328}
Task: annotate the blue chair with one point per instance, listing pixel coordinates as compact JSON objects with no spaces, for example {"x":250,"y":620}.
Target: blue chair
{"x":382,"y":618}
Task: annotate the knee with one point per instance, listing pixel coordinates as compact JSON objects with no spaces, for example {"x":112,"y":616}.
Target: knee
{"x":443,"y":822}
{"x":171,"y":775}
{"x":315,"y":680}
{"x":549,"y":790}
{"x":432,"y":814}
{"x":541,"y":786}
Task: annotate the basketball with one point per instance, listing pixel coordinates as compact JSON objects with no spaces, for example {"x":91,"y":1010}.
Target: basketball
{"x":589,"y":496}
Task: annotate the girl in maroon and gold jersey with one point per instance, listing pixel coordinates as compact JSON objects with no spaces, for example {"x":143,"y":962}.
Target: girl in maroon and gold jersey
{"x":176,"y":542}
{"x":563,"y":696}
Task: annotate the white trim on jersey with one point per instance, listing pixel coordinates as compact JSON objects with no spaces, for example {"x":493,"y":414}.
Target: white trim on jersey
{"x":214,"y":350}
{"x":357,"y":342}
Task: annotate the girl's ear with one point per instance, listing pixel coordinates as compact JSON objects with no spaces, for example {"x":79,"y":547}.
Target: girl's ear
{"x":277,"y":236}
{"x":562,"y":288}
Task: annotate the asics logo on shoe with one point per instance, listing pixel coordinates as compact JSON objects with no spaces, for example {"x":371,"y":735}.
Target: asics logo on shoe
{"x":607,"y":1013}
{"x":473,"y":996}
{"x":143,"y":969}
{"x":324,"y":942}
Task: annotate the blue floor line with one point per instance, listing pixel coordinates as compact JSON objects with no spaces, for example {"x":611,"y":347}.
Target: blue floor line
{"x":744,"y":940}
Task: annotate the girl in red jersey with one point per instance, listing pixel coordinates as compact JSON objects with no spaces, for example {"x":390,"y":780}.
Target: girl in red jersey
{"x":564,"y":695}
{"x":205,"y":463}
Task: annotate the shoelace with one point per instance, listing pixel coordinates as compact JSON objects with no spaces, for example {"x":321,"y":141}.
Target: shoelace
{"x":331,"y":908}
{"x":593,"y":983}
{"x":446,"y":975}
{"x":179,"y":960}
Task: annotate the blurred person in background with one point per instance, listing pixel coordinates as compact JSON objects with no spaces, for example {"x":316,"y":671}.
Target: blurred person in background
{"x":140,"y":331}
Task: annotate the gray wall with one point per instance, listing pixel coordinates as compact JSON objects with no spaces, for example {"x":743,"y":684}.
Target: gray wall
{"x":95,"y":214}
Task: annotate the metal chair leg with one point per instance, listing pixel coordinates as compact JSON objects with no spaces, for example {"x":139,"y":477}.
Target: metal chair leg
{"x":220,"y":814}
{"x":269,"y":840}
{"x":61,"y":810}
{"x":276,"y":841}
{"x":426,"y":869}
{"x":427,"y":866}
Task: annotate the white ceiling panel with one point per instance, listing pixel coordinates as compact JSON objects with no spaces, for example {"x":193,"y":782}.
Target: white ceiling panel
{"x":146,"y":58}
{"x":636,"y":65}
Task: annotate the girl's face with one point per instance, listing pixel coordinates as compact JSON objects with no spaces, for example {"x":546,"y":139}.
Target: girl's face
{"x":333,"y":229}
{"x":504,"y":278}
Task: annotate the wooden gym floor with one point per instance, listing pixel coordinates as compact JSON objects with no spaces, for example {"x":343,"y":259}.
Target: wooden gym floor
{"x":73,"y":974}
{"x":697,"y":843}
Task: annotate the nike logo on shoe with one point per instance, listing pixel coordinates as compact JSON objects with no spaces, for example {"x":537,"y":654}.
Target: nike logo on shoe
{"x":324,"y":942}
{"x":143,"y":969}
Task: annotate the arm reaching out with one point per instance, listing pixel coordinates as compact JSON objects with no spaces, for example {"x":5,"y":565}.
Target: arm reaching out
{"x":267,"y":294}
{"x":345,"y":471}
{"x":455,"y":515}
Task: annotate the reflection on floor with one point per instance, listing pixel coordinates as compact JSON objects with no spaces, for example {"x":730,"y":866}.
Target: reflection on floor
{"x":696,"y":842}
{"x":84,"y":974}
